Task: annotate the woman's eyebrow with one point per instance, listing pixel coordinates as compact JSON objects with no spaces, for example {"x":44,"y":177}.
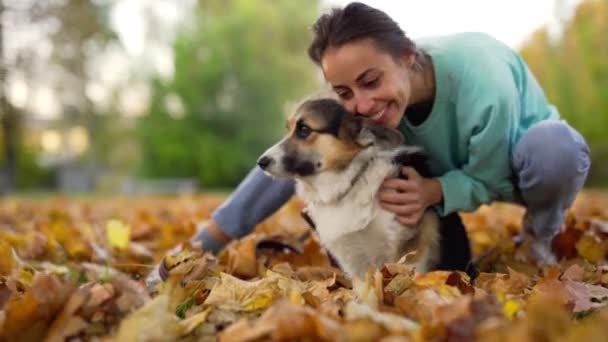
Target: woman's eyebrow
{"x":363,"y":74}
{"x":358,"y":79}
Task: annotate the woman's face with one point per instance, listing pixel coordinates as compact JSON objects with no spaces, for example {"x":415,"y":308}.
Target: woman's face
{"x":369,"y":81}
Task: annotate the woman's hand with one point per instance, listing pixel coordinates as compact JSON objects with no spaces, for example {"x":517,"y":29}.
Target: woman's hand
{"x":409,"y":198}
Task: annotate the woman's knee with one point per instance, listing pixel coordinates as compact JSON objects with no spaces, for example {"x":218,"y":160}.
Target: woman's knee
{"x":550,"y":154}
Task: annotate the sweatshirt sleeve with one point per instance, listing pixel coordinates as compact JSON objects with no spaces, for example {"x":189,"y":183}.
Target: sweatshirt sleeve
{"x":487,"y":105}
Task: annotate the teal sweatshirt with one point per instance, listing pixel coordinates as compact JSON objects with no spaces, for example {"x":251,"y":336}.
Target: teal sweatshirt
{"x":486,"y":98}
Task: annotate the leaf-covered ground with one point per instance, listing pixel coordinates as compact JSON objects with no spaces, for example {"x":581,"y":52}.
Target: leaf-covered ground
{"x":74,"y":269}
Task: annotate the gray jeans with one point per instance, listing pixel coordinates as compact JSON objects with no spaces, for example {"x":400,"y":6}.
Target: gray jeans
{"x":550,"y":163}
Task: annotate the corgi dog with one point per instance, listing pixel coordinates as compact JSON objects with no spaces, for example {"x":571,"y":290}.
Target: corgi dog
{"x":339,"y":162}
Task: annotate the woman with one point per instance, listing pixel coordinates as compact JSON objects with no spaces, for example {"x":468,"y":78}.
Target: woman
{"x":469,"y":100}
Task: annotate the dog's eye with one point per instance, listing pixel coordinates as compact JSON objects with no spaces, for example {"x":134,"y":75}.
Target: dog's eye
{"x":303,"y":131}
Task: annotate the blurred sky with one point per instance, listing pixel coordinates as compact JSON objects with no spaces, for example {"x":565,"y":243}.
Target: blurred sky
{"x":510,"y":21}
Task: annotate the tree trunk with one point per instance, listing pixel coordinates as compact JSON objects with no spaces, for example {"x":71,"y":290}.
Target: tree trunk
{"x":10,"y":124}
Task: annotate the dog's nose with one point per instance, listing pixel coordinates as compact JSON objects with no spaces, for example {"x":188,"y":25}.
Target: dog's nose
{"x":264,"y":162}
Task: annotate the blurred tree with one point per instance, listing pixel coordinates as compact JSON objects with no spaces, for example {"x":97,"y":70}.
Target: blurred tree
{"x":236,"y":65}
{"x":573,"y":70}
{"x":64,"y":36}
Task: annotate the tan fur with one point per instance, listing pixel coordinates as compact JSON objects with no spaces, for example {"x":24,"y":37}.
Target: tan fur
{"x":335,"y":156}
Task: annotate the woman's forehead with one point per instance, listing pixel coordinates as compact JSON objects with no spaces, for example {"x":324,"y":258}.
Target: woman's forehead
{"x":344,"y":64}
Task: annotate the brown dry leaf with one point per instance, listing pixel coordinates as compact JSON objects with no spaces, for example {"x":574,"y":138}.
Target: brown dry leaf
{"x":152,"y":322}
{"x":100,"y":293}
{"x":461,"y":281}
{"x":192,"y":322}
{"x":364,"y":330}
{"x":231,"y":293}
{"x":398,"y":284}
{"x":391,"y":322}
{"x":550,"y":286}
{"x":40,"y":304}
{"x":458,"y":309}
{"x":67,"y":323}
{"x":242,"y":260}
{"x":313,"y":254}
{"x":132,"y":293}
{"x":585,"y":296}
{"x":564,"y":244}
{"x":574,"y":273}
{"x":547,"y":320}
{"x":460,"y":319}
{"x":445,"y":306}
{"x":432,"y":279}
{"x":286,"y":321}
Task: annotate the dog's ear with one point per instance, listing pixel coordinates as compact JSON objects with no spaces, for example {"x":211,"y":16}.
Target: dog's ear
{"x":365,"y":132}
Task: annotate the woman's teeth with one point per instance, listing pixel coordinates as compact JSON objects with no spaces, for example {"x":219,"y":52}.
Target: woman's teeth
{"x":379,"y":115}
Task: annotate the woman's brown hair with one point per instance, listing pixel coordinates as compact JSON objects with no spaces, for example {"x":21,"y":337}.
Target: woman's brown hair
{"x":358,"y":21}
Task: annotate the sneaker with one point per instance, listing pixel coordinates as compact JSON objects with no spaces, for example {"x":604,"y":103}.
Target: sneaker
{"x":201,"y":240}
{"x":160,"y":272}
{"x":539,"y":250}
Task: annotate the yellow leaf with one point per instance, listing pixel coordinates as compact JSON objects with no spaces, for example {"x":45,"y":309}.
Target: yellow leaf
{"x":590,"y":248}
{"x":6,"y":259}
{"x":258,"y":303}
{"x":296,"y":298}
{"x":118,"y":234}
{"x":152,"y":322}
{"x":190,"y":323}
{"x":510,"y":308}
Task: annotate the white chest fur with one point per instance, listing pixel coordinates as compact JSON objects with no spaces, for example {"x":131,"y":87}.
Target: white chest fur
{"x":350,"y":221}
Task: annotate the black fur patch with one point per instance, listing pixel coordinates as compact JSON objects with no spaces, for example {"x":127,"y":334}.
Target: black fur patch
{"x":455,"y":248}
{"x":331,"y":110}
{"x":417,"y":160}
{"x":301,"y":168}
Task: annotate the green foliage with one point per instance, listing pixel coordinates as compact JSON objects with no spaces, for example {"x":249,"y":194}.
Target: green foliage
{"x":574,"y":73}
{"x":30,"y":174}
{"x":236,"y":67}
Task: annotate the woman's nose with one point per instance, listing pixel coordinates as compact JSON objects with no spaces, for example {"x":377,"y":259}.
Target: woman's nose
{"x":363,"y":105}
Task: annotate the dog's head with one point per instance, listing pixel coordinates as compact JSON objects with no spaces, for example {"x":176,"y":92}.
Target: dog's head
{"x":324,"y":137}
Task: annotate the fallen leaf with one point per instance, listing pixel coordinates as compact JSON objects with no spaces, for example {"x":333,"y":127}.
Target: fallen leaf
{"x":590,"y":248}
{"x":286,"y":321}
{"x":574,"y":273}
{"x":585,"y":296}
{"x":118,"y":234}
{"x":190,"y":323}
{"x":393,"y":323}
{"x":231,"y":293}
{"x":152,"y":322}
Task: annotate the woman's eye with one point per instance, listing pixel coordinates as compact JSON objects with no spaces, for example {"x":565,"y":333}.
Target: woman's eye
{"x":303,"y":131}
{"x":371,"y":83}
{"x":344,"y":95}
